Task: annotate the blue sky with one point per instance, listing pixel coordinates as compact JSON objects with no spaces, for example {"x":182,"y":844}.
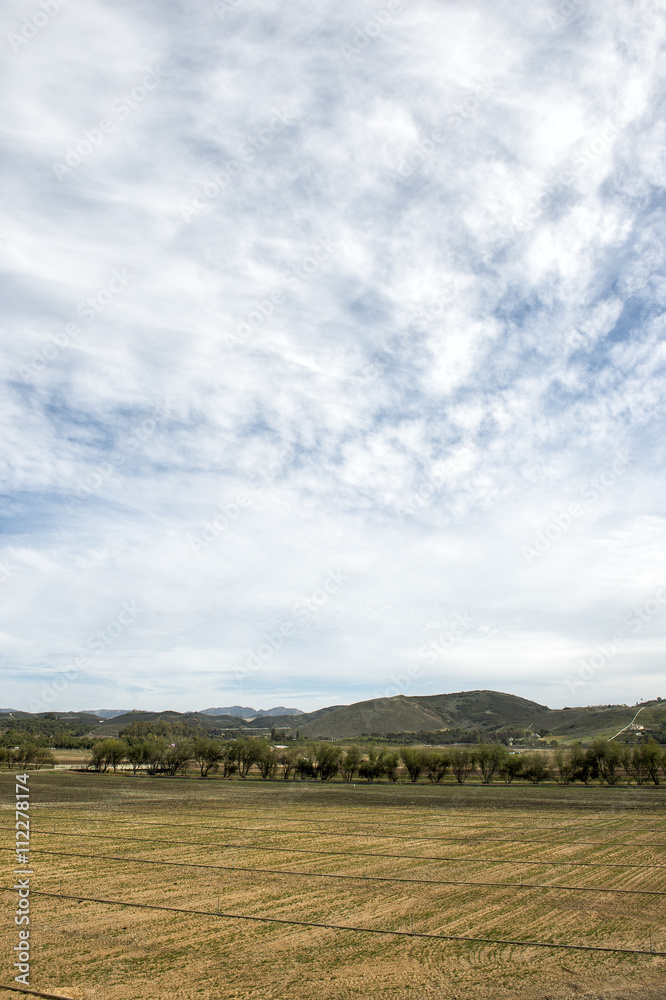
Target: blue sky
{"x":333,"y":352}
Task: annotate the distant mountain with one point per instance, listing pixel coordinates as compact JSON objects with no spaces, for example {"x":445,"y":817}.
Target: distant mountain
{"x":483,"y":711}
{"x":105,"y":713}
{"x":251,"y":713}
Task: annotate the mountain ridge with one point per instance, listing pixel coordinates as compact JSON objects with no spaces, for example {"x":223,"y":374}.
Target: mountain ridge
{"x":483,"y":711}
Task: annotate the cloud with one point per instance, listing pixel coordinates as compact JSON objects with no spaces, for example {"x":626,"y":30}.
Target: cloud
{"x":391,"y":274}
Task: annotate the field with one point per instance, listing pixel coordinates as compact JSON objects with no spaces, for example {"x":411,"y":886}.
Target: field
{"x":405,"y":852}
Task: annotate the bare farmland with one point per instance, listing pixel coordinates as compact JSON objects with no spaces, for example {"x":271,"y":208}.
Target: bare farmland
{"x":568,"y":866}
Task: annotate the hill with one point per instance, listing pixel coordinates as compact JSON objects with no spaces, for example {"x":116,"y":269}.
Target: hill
{"x":210,"y":723}
{"x":604,"y":720}
{"x":251,"y":713}
{"x":106,"y":713}
{"x":483,"y":710}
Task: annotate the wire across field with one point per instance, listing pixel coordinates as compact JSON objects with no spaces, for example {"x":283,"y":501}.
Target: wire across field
{"x":137,"y":888}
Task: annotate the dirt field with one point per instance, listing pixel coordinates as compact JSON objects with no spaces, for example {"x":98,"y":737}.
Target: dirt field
{"x":444,"y":834}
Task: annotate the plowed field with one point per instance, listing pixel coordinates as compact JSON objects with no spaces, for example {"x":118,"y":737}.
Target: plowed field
{"x":518,"y":864}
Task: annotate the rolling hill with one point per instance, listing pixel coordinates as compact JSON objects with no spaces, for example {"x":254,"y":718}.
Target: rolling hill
{"x":251,"y":713}
{"x":485,"y":711}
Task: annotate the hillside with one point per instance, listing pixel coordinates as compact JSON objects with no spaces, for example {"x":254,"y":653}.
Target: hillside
{"x":245,"y":712}
{"x":602,"y":720}
{"x":111,"y":727}
{"x":484,"y":710}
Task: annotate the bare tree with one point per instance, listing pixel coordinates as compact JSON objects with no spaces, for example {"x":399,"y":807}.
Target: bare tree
{"x":207,"y":753}
{"x":350,"y":763}
{"x":462,"y":763}
{"x":487,"y":758}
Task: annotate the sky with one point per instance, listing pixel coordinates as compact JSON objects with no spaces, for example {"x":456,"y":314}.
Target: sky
{"x":333,"y":352}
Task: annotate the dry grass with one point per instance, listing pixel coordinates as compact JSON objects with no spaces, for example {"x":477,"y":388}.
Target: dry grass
{"x":91,"y":950}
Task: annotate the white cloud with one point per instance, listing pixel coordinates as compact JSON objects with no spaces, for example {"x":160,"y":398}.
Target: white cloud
{"x":412,"y":311}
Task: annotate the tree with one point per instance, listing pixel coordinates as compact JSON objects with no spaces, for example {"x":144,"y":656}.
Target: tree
{"x":244,"y":753}
{"x":436,"y":764}
{"x":565,"y":766}
{"x":583,"y":764}
{"x":25,"y":754}
{"x":115,"y":752}
{"x":509,"y":767}
{"x":287,"y":758}
{"x":535,"y":767}
{"x":349,"y":764}
{"x":304,"y":765}
{"x":207,"y":753}
{"x":177,"y":758}
{"x":653,"y":759}
{"x":42,"y":757}
{"x":414,"y":761}
{"x":267,"y":762}
{"x":608,"y":757}
{"x":372,"y":767}
{"x":137,"y":754}
{"x":325,"y":760}
{"x":389,"y":760}
{"x":155,"y":752}
{"x":488,"y":757}
{"x":462,"y":763}
{"x":107,"y":753}
{"x":635,"y":764}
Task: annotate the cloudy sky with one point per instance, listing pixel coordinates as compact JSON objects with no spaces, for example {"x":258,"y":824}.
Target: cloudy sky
{"x":334,"y":351}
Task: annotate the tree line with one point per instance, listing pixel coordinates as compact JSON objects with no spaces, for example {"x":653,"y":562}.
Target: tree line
{"x":605,"y":761}
{"x":26,"y":754}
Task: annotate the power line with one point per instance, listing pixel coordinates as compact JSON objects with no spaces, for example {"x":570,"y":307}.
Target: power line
{"x":357,"y":854}
{"x":34,"y":993}
{"x":363,"y":878}
{"x":341,"y":927}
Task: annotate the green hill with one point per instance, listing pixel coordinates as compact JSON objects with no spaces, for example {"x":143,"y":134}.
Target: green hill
{"x":483,"y":710}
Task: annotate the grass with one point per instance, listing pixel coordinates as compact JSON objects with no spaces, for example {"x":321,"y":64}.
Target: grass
{"x":92,"y":950}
